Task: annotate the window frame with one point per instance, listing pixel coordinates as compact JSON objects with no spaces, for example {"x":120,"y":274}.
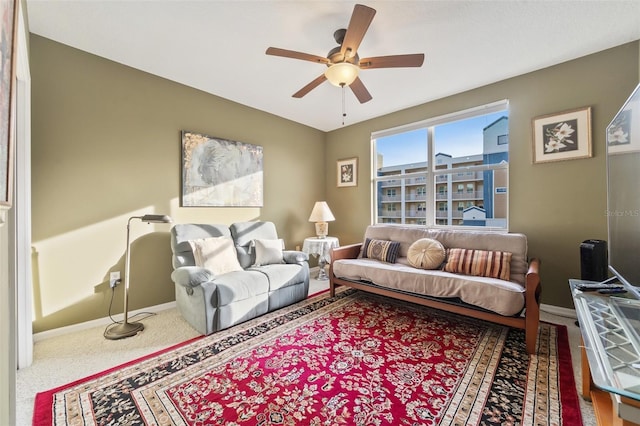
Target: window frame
{"x":431,"y":174}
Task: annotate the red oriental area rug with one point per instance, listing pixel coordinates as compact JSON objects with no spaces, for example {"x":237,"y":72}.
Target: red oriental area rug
{"x":355,"y":359}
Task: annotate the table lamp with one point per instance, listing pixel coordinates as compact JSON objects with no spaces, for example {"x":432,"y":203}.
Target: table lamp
{"x":321,"y":214}
{"x":127,"y":329}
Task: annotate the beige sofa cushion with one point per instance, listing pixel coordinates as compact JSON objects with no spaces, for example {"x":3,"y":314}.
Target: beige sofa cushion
{"x":500,"y":296}
{"x":514,"y":243}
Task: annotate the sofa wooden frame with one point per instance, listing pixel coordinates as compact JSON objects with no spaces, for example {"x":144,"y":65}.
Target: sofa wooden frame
{"x":529,"y":322}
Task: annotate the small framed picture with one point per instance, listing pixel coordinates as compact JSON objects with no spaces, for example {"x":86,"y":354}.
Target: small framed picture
{"x":348,"y":172}
{"x":562,"y":136}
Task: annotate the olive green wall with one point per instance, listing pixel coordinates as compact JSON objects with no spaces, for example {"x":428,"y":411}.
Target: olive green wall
{"x":106,"y":146}
{"x":557,"y":205}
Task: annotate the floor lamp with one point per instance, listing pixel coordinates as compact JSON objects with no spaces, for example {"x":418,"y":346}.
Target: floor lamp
{"x":127,"y":329}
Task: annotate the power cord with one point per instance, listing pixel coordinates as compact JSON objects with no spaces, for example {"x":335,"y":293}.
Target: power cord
{"x":113,"y":292}
{"x":113,"y":321}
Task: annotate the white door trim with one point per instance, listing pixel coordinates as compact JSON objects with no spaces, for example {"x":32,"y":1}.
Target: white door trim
{"x":21,"y":211}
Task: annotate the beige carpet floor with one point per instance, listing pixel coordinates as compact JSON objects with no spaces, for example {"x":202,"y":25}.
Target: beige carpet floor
{"x":63,"y":359}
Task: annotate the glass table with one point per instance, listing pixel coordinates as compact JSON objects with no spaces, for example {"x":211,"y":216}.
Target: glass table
{"x":610,"y":327}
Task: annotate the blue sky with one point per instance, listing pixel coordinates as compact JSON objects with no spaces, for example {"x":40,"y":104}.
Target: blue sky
{"x":458,"y":139}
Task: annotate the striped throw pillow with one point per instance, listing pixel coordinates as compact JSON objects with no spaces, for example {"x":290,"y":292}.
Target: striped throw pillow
{"x":386,"y":251}
{"x":480,"y":263}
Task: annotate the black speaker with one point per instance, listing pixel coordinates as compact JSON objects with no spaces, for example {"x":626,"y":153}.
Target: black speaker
{"x":593,"y":260}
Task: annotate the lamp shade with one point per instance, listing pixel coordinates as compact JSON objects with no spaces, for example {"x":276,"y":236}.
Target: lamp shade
{"x":321,"y":213}
{"x":156,"y":218}
{"x":342,"y":73}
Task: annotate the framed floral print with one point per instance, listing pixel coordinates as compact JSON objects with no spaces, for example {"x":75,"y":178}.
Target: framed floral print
{"x":562,"y":136}
{"x":348,"y":172}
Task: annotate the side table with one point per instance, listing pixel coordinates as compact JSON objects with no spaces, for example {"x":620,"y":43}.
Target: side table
{"x":321,"y":247}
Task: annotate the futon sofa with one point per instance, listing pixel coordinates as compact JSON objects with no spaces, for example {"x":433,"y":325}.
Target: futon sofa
{"x":482,"y":274}
{"x":225,"y":275}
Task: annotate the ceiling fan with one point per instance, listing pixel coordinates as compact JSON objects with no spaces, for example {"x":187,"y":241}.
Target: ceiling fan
{"x":343,"y":61}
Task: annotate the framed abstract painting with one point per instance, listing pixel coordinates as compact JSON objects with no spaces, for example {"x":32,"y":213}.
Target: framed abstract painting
{"x":220,"y":172}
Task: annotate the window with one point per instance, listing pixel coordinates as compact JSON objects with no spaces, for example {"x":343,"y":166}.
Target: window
{"x":449,"y":163}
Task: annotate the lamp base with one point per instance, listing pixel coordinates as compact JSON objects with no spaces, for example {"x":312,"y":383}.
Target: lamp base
{"x":121,"y":331}
{"x":322,"y":229}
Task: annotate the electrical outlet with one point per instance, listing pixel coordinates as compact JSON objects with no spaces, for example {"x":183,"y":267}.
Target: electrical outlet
{"x":114,"y":278}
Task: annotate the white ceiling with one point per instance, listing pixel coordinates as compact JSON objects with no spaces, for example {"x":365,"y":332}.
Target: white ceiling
{"x":219,"y":46}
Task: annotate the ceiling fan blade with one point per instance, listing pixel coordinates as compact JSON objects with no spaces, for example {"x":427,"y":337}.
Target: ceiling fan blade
{"x":361,"y":92}
{"x":358,"y":26}
{"x":309,"y":87}
{"x":393,"y":61}
{"x":296,"y":55}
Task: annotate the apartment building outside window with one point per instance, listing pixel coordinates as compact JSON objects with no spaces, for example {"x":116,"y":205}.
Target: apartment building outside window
{"x":446,"y":171}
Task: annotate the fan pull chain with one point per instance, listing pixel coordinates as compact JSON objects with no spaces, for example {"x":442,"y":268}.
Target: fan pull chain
{"x":344,"y":112}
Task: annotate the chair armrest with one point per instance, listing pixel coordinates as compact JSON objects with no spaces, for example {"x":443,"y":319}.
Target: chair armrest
{"x":191,"y":276}
{"x":346,"y":252}
{"x":293,"y":256}
{"x":533,"y":290}
{"x":532,"y":279}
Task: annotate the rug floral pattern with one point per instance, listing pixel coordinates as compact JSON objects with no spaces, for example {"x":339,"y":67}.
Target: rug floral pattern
{"x":356,"y":359}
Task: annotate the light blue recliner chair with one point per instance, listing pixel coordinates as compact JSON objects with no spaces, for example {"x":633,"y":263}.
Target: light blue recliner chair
{"x":212,"y":302}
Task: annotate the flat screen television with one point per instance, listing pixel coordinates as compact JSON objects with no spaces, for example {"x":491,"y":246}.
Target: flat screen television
{"x":623,"y":194}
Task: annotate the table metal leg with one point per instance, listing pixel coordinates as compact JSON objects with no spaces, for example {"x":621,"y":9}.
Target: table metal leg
{"x":322,"y":273}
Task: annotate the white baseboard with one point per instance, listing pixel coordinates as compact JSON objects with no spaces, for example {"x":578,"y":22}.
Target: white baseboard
{"x":118,"y":317}
{"x":551,"y":309}
{"x":559,"y":311}
{"x":98,"y":322}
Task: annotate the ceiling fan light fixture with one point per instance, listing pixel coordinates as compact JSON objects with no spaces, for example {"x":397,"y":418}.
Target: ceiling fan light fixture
{"x":342,"y":73}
